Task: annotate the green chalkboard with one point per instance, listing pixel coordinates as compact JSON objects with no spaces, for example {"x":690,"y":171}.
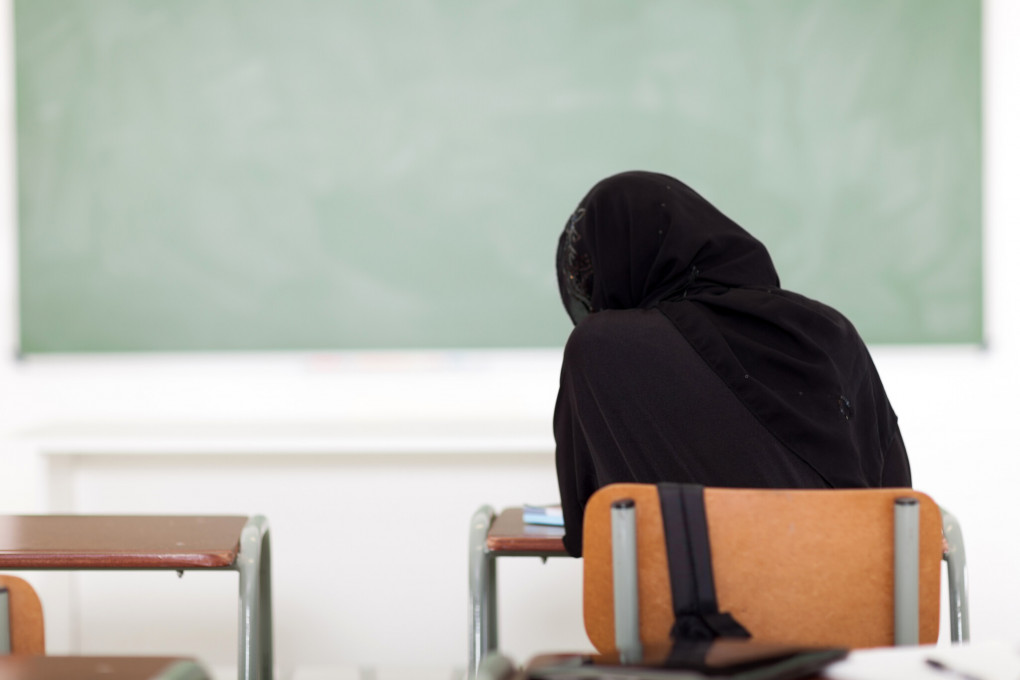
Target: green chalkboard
{"x":350,"y":174}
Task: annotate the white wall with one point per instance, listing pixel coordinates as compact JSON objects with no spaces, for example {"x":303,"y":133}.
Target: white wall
{"x":349,"y":459}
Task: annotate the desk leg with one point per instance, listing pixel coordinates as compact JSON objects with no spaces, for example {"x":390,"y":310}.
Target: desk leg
{"x":255,"y":627}
{"x":492,"y":627}
{"x":482,"y":585}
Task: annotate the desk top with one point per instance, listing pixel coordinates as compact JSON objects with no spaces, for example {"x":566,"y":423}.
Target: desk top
{"x":98,"y":668}
{"x":118,"y":541}
{"x":509,"y":535}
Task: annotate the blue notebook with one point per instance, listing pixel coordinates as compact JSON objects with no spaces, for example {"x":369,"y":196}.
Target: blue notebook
{"x":546,"y":515}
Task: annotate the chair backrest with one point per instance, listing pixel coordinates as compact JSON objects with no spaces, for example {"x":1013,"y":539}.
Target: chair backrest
{"x":808,"y":567}
{"x":25,"y":616}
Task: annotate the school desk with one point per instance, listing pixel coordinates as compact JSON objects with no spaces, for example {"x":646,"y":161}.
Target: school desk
{"x":126,"y":542}
{"x":493,"y":536}
{"x":99,"y":668}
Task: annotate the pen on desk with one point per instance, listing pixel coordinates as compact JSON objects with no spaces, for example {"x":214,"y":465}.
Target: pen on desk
{"x":939,"y":666}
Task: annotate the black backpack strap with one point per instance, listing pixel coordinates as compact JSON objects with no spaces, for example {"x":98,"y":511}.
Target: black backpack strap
{"x":690,"y":567}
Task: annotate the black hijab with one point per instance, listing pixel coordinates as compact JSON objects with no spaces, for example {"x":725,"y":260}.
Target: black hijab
{"x":646,"y":240}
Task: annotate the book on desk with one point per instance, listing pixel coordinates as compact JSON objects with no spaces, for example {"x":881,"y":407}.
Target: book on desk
{"x":543,"y":515}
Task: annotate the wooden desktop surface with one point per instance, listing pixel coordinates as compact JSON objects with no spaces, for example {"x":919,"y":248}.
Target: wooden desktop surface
{"x":118,"y":541}
{"x":97,"y":668}
{"x":509,"y":534}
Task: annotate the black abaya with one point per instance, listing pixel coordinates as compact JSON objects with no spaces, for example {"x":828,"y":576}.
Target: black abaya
{"x":690,"y":364}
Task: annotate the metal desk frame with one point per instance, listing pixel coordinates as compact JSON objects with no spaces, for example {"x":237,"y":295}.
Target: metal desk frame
{"x":255,"y":614}
{"x":483,"y":624}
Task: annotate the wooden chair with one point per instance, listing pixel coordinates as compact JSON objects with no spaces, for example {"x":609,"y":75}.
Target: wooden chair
{"x":21,"y":618}
{"x":808,"y":567}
